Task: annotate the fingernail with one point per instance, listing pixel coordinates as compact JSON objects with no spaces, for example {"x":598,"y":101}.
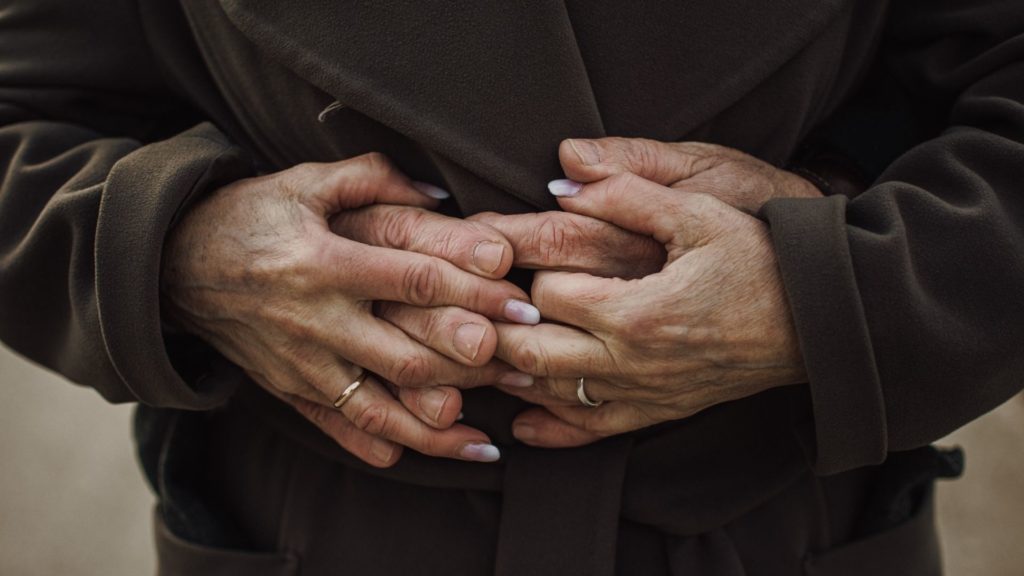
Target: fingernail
{"x":460,"y":417}
{"x":586,"y":151}
{"x":564,"y":188}
{"x":382,"y":449}
{"x":431,"y":402}
{"x":516,"y":379}
{"x":487,"y":256}
{"x":524,"y":432}
{"x":521,"y":312}
{"x":481,"y":452}
{"x":431,"y":190}
{"x":468,"y":338}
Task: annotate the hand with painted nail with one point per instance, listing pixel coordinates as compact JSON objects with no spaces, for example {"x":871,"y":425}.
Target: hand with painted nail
{"x":737,"y":179}
{"x":712,"y":325}
{"x":281,"y":274}
{"x":576,"y":243}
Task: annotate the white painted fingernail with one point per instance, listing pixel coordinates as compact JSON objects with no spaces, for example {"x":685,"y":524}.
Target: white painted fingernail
{"x":516,"y":380}
{"x":564,"y":188}
{"x":521,"y":312}
{"x":431,"y":190}
{"x":481,"y":452}
{"x":460,"y":417}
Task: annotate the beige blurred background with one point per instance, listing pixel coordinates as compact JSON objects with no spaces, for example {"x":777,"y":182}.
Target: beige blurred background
{"x":72,"y":500}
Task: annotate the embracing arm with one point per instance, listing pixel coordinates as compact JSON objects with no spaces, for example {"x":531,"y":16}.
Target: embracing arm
{"x":87,"y":194}
{"x":908,"y":299}
{"x":106,"y":230}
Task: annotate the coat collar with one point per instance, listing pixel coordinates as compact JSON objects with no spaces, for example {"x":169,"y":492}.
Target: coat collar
{"x":495,"y":86}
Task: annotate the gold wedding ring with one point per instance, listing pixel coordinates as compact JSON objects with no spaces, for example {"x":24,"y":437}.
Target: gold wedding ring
{"x":350,"y":390}
{"x":581,"y":393}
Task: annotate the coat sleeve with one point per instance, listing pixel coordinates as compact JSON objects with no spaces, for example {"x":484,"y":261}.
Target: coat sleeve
{"x":95,"y":164}
{"x":909,"y":298}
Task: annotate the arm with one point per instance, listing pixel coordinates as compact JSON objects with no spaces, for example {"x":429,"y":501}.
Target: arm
{"x":88,"y":189}
{"x":907,"y":300}
{"x":106,"y":229}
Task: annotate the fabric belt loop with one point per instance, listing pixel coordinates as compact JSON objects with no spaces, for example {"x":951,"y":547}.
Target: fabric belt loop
{"x":560,"y":509}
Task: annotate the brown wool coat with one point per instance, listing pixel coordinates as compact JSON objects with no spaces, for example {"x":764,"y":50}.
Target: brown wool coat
{"x":115,"y":116}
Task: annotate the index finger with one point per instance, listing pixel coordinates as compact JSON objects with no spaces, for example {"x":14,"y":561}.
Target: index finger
{"x":374,"y":273}
{"x":373,"y":409}
{"x":472,"y":246}
{"x":576,"y":243}
{"x":672,"y":217}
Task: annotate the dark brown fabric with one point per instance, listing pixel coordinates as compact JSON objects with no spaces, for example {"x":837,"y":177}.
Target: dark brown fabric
{"x":337,"y":519}
{"x":177,"y":557}
{"x":921,"y":327}
{"x":115,"y":116}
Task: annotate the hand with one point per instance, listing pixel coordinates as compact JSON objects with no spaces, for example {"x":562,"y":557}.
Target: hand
{"x":576,"y":243}
{"x":256,"y":270}
{"x":738,"y":179}
{"x":714,"y":325}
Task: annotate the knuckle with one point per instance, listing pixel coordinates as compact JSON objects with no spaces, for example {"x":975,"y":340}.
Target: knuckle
{"x":298,"y":328}
{"x":318,"y":375}
{"x":264,"y":270}
{"x":641,"y":153}
{"x":412,"y":371}
{"x":529,"y":357}
{"x":398,"y":225}
{"x":317,"y":414}
{"x":621,"y":184}
{"x":376,"y":163}
{"x":448,"y":243}
{"x":599,"y":423}
{"x":701,"y":203}
{"x":552,"y":238}
{"x":306,"y":171}
{"x":421,"y":282}
{"x":374,"y":419}
{"x":434,"y":324}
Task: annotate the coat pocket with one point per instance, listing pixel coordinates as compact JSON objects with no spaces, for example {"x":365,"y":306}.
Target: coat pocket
{"x":178,"y":557}
{"x":909,"y":548}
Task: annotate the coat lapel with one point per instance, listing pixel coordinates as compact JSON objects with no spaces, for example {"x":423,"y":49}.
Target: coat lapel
{"x":492,"y":86}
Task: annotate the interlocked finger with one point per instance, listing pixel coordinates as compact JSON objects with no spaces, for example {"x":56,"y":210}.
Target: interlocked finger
{"x":375,"y":411}
{"x":438,"y":406}
{"x":459,"y":334}
{"x":552,"y":350}
{"x":373,"y":450}
{"x":373,"y":273}
{"x":472,"y":246}
{"x":575,"y":243}
{"x":387,"y":351}
{"x":563,"y":391}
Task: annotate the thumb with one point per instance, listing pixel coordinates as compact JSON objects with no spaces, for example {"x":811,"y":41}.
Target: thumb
{"x":368,"y":179}
{"x":672,"y":217}
{"x":665,"y":163}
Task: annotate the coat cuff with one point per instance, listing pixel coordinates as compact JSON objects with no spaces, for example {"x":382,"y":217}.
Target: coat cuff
{"x":849,"y":428}
{"x":142,"y":197}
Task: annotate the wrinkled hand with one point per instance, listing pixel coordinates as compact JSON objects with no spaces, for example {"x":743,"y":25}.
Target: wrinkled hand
{"x":736,"y":178}
{"x":280,"y":274}
{"x":712,"y":326}
{"x":576,"y":243}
